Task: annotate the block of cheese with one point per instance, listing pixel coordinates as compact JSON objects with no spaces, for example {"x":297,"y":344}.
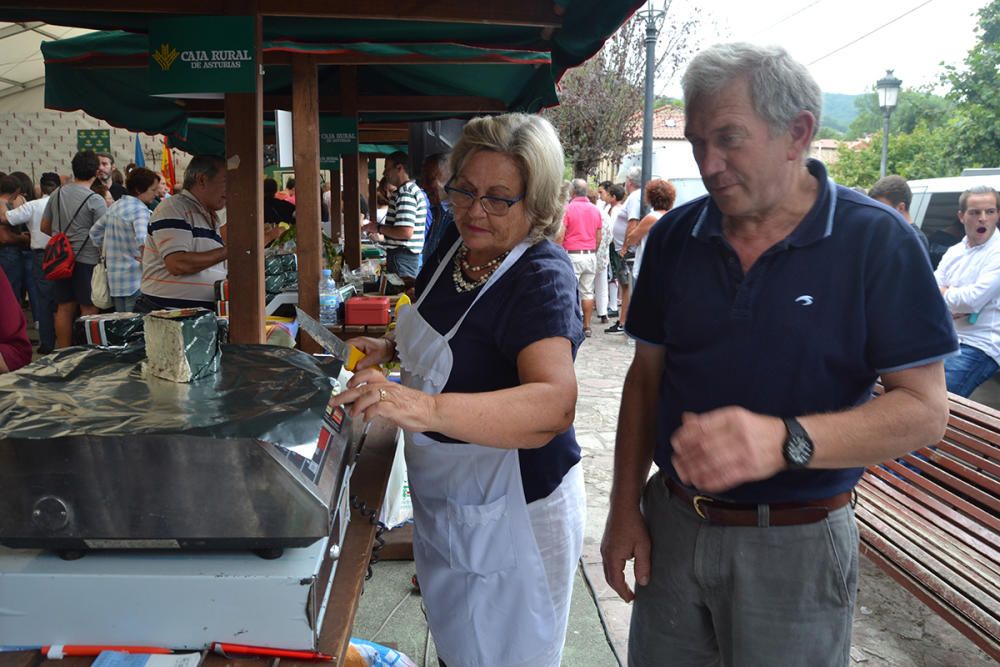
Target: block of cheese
{"x":182,"y":345}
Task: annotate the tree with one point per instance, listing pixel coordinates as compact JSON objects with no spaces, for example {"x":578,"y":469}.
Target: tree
{"x":601,"y":101}
{"x":915,"y":106}
{"x":923,"y":153}
{"x":976,"y":91}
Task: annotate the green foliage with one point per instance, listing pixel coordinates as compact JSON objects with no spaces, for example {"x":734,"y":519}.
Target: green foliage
{"x":924,"y":153}
{"x":664,"y":100}
{"x":914,"y":106}
{"x":600,"y":102}
{"x":838,"y":112}
{"x":935,"y":137}
{"x":976,"y":90}
{"x":826,"y":132}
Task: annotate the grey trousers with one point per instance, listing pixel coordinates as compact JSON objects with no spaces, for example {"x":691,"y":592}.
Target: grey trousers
{"x":740,"y":597}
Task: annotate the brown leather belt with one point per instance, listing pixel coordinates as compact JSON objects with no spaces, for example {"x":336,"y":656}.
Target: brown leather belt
{"x":775,"y":514}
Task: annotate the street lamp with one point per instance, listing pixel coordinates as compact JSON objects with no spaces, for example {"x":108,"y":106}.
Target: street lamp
{"x":888,"y":93}
{"x":654,"y":18}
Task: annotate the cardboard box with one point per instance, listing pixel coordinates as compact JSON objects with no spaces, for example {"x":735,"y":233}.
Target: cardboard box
{"x":367,"y":310}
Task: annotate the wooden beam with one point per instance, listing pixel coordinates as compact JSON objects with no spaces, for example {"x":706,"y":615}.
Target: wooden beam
{"x":352,"y":206}
{"x":389,"y":137}
{"x":309,"y":241}
{"x":245,"y":203}
{"x":508,"y":12}
{"x":371,"y":104}
{"x":284,"y":57}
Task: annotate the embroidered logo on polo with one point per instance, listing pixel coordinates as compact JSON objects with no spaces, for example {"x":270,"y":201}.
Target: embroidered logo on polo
{"x":804,"y":300}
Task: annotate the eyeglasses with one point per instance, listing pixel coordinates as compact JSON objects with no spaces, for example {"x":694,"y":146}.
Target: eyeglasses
{"x":495,"y":206}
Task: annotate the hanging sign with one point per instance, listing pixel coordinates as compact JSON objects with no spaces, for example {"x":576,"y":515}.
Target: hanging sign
{"x":98,"y":141}
{"x":338,"y":135}
{"x":202,"y":56}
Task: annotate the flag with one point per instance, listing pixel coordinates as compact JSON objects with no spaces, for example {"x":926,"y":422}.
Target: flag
{"x":140,"y":159}
{"x":167,"y":167}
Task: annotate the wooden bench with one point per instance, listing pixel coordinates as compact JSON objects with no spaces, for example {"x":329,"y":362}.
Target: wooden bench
{"x":932,"y":522}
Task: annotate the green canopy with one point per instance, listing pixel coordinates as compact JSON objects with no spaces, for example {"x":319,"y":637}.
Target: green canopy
{"x":585,"y":26}
{"x":104,"y":74}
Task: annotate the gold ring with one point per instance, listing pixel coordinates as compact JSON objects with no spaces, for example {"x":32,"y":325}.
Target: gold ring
{"x":382,"y":394}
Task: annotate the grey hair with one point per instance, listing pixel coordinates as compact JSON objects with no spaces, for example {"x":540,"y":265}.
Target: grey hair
{"x":210,"y":165}
{"x":533,"y":144}
{"x":780,"y":87}
{"x":634,"y":176}
{"x":963,"y":199}
{"x":580,"y":187}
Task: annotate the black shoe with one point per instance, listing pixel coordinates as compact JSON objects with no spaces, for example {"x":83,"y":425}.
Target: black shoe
{"x":604,"y":319}
{"x":615,"y":328}
{"x":44,"y":350}
{"x":612,"y":313}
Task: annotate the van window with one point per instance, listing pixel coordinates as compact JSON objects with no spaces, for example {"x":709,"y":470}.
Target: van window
{"x":936,"y":221}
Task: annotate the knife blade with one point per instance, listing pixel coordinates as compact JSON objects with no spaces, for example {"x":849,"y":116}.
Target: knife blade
{"x":345,"y":352}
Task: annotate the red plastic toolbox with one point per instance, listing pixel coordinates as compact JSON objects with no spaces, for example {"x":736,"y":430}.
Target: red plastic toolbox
{"x":367,"y":310}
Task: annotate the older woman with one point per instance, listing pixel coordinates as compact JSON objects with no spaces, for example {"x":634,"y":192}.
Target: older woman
{"x":121,"y":232}
{"x":488,"y":403}
{"x":660,"y":196}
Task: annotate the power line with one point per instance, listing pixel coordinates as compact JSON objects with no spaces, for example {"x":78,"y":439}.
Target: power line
{"x":790,"y":16}
{"x":871,"y":32}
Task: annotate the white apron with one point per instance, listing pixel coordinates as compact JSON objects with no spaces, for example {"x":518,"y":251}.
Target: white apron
{"x":479,"y":567}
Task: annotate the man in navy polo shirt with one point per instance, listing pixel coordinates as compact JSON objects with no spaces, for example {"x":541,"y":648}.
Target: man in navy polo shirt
{"x":762,"y":317}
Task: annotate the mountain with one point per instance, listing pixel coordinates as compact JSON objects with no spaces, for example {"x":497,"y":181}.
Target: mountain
{"x":838,"y":111}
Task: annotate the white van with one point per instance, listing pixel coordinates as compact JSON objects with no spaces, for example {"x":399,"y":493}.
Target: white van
{"x":935,"y":200}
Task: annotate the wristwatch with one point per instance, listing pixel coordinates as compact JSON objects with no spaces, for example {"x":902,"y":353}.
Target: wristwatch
{"x":798,"y":447}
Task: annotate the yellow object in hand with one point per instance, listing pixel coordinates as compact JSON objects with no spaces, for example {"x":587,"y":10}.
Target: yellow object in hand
{"x":354,"y":355}
{"x":284,"y":226}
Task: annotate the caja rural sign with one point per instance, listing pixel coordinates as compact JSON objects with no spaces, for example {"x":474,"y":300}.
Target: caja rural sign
{"x":200,"y":56}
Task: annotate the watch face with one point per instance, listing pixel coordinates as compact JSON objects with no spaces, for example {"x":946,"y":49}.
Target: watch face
{"x":798,"y":450}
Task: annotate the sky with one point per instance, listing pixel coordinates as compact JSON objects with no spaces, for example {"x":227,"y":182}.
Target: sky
{"x":923,"y":34}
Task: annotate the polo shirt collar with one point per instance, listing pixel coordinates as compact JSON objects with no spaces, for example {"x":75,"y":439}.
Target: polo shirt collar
{"x":576,"y":199}
{"x":815,"y":226}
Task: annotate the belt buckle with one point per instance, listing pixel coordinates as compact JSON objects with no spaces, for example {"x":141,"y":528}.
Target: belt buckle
{"x":696,"y":502}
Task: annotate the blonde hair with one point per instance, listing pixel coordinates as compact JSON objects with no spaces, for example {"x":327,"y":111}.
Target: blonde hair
{"x":533,"y":144}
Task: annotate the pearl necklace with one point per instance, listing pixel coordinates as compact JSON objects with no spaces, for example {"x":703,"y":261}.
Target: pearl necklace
{"x":462,"y":263}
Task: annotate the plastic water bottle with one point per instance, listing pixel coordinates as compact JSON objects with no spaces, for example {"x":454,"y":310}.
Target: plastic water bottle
{"x":329,"y":299}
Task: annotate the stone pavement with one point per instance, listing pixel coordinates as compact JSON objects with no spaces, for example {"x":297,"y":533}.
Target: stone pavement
{"x":891,"y":627}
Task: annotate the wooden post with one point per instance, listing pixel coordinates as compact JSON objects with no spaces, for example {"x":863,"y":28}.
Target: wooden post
{"x":352,"y":207}
{"x":305,"y":138}
{"x":245,"y":200}
{"x":336,"y":210}
{"x":364,"y":182}
{"x":372,"y":188}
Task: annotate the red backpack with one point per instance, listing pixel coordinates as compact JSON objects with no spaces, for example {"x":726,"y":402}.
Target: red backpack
{"x":58,"y":261}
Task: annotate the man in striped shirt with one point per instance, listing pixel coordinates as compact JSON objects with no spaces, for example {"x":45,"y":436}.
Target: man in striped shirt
{"x":404,"y":224}
{"x":185,"y":250}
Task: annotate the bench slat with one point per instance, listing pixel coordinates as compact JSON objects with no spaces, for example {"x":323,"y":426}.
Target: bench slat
{"x":966,"y":599}
{"x":990,"y":521}
{"x":953,"y":482}
{"x":983,"y":640}
{"x":933,"y":510}
{"x":972,"y":459}
{"x":958,"y":563}
{"x":981,"y":446}
{"x":921,"y":495}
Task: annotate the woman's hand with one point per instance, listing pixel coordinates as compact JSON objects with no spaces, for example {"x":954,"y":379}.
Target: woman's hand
{"x":377,"y":351}
{"x":370,"y":395}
